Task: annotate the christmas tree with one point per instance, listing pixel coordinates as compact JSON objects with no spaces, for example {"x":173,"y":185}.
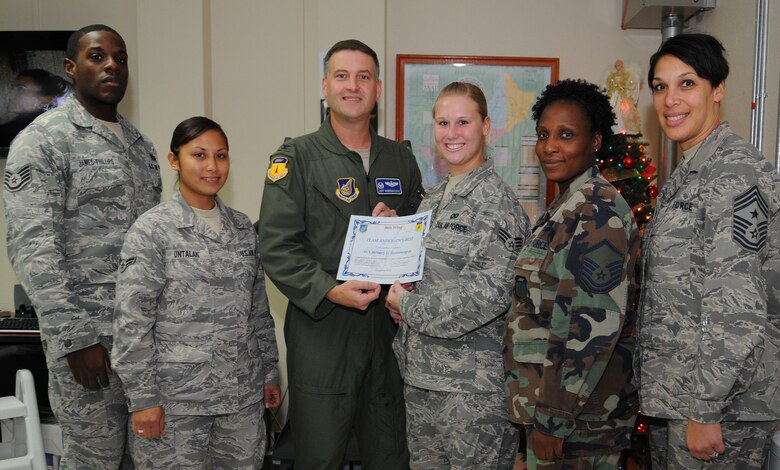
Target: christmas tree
{"x":625,"y":164}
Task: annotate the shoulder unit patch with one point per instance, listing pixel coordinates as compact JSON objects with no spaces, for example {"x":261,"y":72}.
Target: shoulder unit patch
{"x":16,"y":180}
{"x":278,"y":168}
{"x":750,"y":220}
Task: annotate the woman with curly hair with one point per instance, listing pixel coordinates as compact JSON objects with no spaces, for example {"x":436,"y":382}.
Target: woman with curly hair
{"x":568,"y":342}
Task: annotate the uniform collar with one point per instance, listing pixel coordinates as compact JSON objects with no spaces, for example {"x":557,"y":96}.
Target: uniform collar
{"x":472,"y":179}
{"x":79,"y":116}
{"x":576,"y":184}
{"x":709,"y":145}
{"x":186,"y":218}
{"x":333,"y":144}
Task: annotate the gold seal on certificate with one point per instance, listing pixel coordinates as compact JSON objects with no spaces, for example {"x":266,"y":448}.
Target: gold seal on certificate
{"x":384,"y":249}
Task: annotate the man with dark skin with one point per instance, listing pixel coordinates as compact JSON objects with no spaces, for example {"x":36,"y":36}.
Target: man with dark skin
{"x":76,"y":179}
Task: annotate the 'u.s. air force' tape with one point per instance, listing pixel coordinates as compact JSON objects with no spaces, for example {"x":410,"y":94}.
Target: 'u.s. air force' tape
{"x":17,"y":179}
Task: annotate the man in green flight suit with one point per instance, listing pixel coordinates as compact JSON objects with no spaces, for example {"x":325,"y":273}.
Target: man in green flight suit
{"x":342,"y":373}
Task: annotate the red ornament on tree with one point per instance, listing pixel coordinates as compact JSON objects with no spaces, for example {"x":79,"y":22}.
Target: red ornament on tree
{"x":652,"y":191}
{"x":629,"y":162}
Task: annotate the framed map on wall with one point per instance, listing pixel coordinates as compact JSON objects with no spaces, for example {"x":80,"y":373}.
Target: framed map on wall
{"x":510,"y":84}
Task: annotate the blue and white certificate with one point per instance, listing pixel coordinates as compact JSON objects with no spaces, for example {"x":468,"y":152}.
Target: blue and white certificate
{"x":384,"y":249}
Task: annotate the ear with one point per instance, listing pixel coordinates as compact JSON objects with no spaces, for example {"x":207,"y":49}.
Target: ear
{"x":70,"y":69}
{"x":486,"y":127}
{"x":597,"y":141}
{"x":378,"y":89}
{"x":719,"y":92}
{"x":173,"y":161}
{"x":324,"y":85}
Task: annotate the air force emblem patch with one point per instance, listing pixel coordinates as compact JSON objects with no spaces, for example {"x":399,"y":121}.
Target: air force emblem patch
{"x":16,"y":180}
{"x":347,"y":191}
{"x":388,"y":186}
{"x":602,"y":268}
{"x":750,"y":220}
{"x":278,"y":168}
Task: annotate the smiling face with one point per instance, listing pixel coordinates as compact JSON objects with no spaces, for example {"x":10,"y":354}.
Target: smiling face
{"x":99,"y":73}
{"x":565,"y":145}
{"x":687,"y":105}
{"x":351,"y":86}
{"x":203,"y":165}
{"x":460,"y":132}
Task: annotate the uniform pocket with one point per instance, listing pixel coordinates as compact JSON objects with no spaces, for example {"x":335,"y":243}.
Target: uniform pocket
{"x":184,"y":371}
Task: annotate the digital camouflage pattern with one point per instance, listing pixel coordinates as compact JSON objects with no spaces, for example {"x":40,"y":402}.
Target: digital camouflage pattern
{"x":193,"y":331}
{"x":72,"y":189}
{"x":235,"y":441}
{"x":449,"y":343}
{"x":747,"y":445}
{"x":709,"y":328}
{"x":450,"y":336}
{"x":452,"y":430}
{"x":709,"y":325}
{"x":568,"y":341}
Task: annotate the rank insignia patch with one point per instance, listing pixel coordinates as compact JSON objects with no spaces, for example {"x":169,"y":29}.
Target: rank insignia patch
{"x":347,"y":191}
{"x":278,"y":168}
{"x":602,"y":266}
{"x":125,"y":263}
{"x":511,"y":243}
{"x":750,"y":220}
{"x":388,"y":186}
{"x":16,"y":180}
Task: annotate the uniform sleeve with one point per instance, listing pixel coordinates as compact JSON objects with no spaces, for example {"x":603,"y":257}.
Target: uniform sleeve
{"x":282,"y":230}
{"x":412,"y":202}
{"x":140,"y":281}
{"x":36,"y":185}
{"x":264,"y":329}
{"x":733,"y":292}
{"x":483,"y":289}
{"x":593,"y":260}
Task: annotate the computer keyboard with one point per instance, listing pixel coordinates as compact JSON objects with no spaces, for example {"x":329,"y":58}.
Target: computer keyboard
{"x":19,"y":325}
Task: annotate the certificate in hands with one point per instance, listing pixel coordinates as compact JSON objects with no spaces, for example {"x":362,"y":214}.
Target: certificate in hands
{"x":384,"y":249}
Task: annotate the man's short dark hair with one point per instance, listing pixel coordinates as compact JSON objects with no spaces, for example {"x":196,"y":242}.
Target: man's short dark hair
{"x":702,"y":52}
{"x":352,"y":45}
{"x":73,"y":41}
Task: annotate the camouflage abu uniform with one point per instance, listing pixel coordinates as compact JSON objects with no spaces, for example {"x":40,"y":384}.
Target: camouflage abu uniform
{"x":72,"y":190}
{"x":709,"y":325}
{"x":449,"y":344}
{"x":193,"y":330}
{"x":568,"y":338}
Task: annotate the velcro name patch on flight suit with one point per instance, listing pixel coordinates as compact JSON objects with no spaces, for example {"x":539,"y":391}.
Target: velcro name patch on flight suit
{"x":602,"y":268}
{"x":347,"y":190}
{"x":388,"y":186}
{"x":750,"y":220}
{"x":278,"y":168}
{"x":16,"y":180}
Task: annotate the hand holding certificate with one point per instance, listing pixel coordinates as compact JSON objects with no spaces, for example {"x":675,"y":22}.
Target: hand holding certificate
{"x":384,"y":249}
